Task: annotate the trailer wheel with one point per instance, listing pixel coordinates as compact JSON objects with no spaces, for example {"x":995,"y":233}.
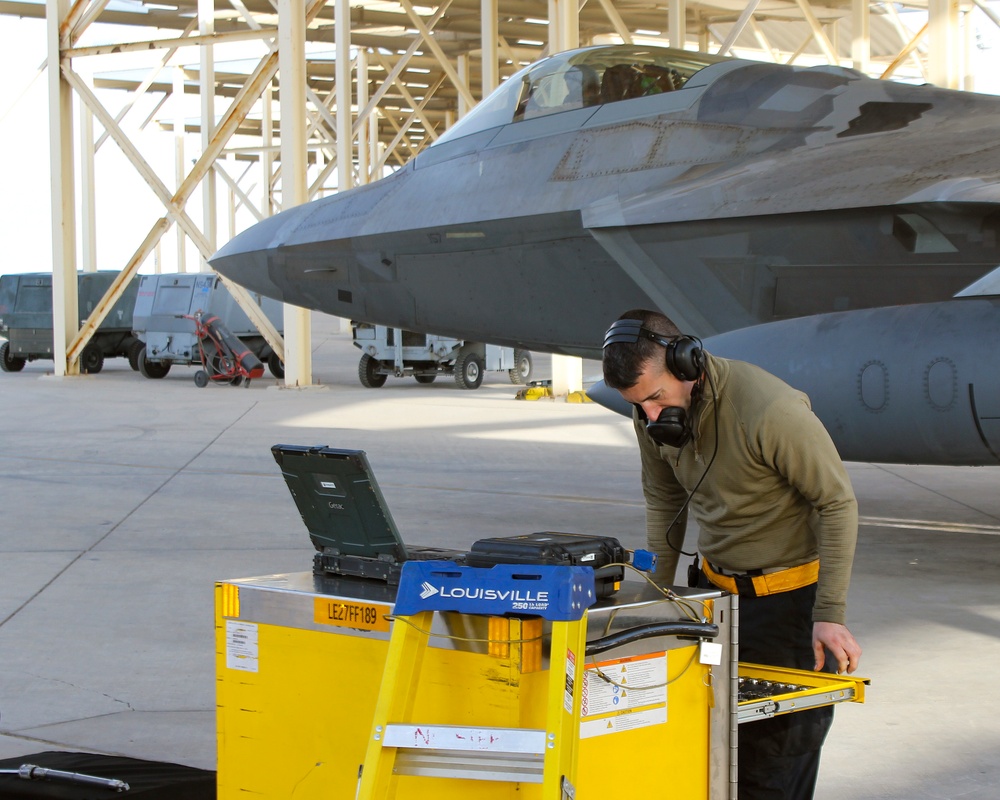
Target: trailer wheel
{"x":368,"y":373}
{"x":152,"y":369}
{"x":201,"y":379}
{"x":8,"y":361}
{"x":521,"y":373}
{"x":133,"y":354}
{"x":91,"y":359}
{"x":276,"y":366}
{"x":469,"y":371}
{"x":424,"y":378}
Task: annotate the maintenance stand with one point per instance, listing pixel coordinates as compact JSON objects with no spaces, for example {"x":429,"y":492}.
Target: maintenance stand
{"x":340,"y":687}
{"x":525,"y":668}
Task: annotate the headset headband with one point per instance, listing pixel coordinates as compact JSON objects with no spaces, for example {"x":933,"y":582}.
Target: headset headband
{"x":629,"y":331}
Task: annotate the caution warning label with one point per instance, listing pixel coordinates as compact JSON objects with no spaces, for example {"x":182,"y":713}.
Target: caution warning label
{"x":624,"y":694}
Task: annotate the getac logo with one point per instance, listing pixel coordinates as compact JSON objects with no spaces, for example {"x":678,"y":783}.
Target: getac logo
{"x":336,"y":506}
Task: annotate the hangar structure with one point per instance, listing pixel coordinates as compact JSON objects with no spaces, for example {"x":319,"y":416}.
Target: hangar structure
{"x":302,"y":97}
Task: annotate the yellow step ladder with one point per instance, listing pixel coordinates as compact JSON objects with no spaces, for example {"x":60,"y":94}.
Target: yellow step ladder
{"x":399,"y":745}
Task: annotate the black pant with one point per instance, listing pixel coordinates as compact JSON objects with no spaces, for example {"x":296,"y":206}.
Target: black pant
{"x":779,"y":757}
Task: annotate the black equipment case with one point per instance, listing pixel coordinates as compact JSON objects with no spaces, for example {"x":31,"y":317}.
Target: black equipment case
{"x":604,"y":553}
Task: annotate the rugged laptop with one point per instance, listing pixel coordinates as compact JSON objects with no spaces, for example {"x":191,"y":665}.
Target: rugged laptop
{"x":346,"y":515}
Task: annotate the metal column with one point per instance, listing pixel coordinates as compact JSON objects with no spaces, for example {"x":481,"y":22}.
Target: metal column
{"x":65,"y":311}
{"x":206,"y":25}
{"x":291,"y":68}
{"x":488,"y":26}
{"x":944,"y":37}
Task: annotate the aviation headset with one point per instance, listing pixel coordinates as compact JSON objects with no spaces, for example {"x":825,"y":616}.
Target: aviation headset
{"x":684,"y":359}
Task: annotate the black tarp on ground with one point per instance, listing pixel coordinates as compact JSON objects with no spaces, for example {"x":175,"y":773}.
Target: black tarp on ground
{"x":149,"y":780}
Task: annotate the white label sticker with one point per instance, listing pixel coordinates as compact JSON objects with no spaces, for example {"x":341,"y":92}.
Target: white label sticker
{"x":570,"y":681}
{"x":241,"y":645}
{"x":632,"y":694}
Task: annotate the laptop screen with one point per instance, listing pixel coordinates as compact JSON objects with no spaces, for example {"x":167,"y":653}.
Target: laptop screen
{"x":339,"y":500}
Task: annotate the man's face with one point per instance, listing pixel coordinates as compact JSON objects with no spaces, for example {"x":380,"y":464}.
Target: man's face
{"x":657,"y":389}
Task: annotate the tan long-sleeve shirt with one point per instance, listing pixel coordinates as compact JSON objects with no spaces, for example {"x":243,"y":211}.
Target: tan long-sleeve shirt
{"x":776,"y":495}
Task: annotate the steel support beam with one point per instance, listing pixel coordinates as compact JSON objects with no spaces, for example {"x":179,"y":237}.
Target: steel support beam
{"x":206,"y":27}
{"x":79,"y":19}
{"x":861,"y":40}
{"x":909,"y":42}
{"x":267,"y":158}
{"x":564,"y":34}
{"x":65,"y":309}
{"x":616,"y":21}
{"x":489,"y":28}
{"x":413,"y":116}
{"x":435,"y":48}
{"x":238,"y":192}
{"x":179,"y":125}
{"x":763,"y":41}
{"x":989,"y":12}
{"x":364,"y":151}
{"x":944,"y":39}
{"x":677,"y":23}
{"x":343,"y":84}
{"x":462,"y":68}
{"x":564,"y":25}
{"x":147,"y":82}
{"x":292,"y":99}
{"x":734,"y":33}
{"x":905,"y":53}
{"x":829,"y":51}
{"x":88,"y":192}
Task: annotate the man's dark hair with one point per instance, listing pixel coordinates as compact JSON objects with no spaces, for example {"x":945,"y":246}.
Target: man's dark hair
{"x":624,"y":362}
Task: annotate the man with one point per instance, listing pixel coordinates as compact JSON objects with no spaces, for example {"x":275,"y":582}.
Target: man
{"x":776,"y":511}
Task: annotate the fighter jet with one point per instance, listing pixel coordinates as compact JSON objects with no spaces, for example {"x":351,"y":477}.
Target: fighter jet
{"x":775,"y":211}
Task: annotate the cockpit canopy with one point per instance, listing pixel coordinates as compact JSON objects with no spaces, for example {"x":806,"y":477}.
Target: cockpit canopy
{"x":579,"y":78}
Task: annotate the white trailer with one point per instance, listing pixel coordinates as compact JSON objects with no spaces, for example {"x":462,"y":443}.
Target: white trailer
{"x":393,"y":351}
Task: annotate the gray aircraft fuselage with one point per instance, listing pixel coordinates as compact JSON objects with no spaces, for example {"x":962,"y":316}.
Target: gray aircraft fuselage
{"x":743,"y":193}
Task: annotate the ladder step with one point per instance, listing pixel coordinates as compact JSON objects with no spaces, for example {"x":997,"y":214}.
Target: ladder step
{"x":523,"y":768}
{"x":454,"y":751}
{"x":486,"y":741}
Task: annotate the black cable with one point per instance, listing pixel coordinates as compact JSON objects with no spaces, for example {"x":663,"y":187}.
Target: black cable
{"x":715,"y":452}
{"x":699,"y":630}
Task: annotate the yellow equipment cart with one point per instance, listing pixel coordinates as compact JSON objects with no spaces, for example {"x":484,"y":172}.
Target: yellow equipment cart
{"x":324,"y":693}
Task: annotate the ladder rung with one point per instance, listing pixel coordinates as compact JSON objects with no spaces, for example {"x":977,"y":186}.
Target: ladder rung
{"x":484,"y":766}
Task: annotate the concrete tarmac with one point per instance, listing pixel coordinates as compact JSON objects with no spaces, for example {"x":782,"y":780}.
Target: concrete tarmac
{"x":122,"y":501}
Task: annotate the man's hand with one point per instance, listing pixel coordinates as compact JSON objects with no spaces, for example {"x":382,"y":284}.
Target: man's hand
{"x":838,"y":640}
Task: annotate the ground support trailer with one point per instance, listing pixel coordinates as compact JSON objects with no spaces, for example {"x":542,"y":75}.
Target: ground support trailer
{"x":26,"y":319}
{"x":165,"y":308}
{"x":393,"y":351}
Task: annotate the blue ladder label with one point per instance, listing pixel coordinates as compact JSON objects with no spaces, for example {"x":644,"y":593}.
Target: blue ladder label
{"x":560,"y":593}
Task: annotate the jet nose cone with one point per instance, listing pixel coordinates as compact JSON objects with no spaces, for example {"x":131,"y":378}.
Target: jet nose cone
{"x":245,"y":259}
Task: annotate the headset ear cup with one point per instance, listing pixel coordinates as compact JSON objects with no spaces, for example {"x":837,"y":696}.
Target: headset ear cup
{"x":685,"y":358}
{"x":671,"y":427}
